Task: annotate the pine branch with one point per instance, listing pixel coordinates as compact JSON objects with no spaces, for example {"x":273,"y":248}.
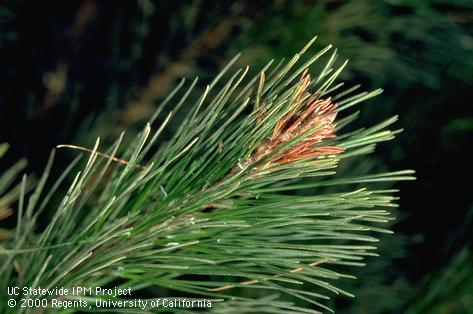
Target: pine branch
{"x":208,"y":210}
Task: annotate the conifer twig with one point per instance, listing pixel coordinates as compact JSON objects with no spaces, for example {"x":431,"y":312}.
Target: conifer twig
{"x":220,"y":176}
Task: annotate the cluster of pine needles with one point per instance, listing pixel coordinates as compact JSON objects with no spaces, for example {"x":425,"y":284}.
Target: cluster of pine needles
{"x":216,"y":210}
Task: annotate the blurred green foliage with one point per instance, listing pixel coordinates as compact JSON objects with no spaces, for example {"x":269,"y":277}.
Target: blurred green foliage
{"x":387,"y":42}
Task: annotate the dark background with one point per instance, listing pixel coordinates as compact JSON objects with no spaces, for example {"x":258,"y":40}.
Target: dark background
{"x":70,"y":69}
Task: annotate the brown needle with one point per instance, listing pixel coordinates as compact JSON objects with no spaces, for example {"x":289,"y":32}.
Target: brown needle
{"x":253,"y":281}
{"x":121,"y":161}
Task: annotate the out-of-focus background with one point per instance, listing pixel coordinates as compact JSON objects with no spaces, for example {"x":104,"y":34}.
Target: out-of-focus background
{"x":73,"y":70}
